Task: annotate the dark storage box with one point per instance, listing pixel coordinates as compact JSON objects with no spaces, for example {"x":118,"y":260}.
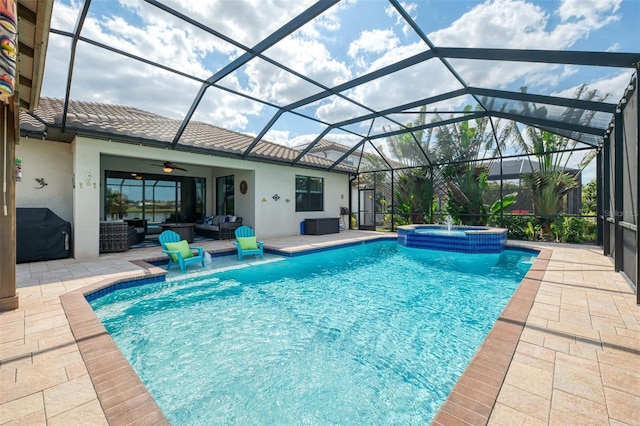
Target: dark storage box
{"x":325,"y":225}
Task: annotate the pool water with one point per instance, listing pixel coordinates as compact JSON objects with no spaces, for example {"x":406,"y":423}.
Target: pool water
{"x":368,"y":334}
{"x":442,"y":232}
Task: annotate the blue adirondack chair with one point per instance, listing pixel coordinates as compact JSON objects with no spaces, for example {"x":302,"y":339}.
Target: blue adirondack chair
{"x":246,"y":242}
{"x":178,"y":251}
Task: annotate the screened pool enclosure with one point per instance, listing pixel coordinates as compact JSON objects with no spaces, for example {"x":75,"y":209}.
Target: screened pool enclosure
{"x":434,"y":124}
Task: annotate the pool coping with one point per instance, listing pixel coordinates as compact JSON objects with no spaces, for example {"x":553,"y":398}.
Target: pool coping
{"x":474,"y":395}
{"x":126,"y":400}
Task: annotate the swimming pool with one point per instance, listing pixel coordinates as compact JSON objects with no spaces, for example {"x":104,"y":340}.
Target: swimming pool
{"x":364,"y":334}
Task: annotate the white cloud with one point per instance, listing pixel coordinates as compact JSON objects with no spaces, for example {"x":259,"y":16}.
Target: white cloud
{"x":615,"y":47}
{"x":374,"y":41}
{"x":517,"y":24}
{"x":589,"y":11}
{"x":410,"y":8}
{"x":611,"y":86}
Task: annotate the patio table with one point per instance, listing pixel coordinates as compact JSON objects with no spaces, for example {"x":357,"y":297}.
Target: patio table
{"x":185,"y":230}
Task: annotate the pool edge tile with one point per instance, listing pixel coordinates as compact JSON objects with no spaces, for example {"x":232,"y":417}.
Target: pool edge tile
{"x":97,"y":348}
{"x":465,"y":404}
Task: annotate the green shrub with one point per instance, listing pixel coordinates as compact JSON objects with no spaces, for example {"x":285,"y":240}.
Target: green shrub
{"x":572,"y":229}
{"x":516,"y":225}
{"x":565,"y":229}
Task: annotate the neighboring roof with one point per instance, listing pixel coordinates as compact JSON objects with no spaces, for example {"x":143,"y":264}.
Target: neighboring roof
{"x":513,"y":169}
{"x":132,"y":125}
{"x":325,"y":145}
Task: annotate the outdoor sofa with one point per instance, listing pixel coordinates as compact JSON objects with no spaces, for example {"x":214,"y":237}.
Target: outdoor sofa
{"x":219,"y":227}
{"x":116,"y":236}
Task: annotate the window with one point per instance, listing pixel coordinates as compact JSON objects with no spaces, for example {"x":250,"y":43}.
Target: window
{"x":225,"y":195}
{"x":156,"y":198}
{"x":309,"y":194}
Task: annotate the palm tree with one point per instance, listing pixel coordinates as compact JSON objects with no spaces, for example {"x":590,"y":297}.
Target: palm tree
{"x":550,"y":182}
{"x":117,"y":203}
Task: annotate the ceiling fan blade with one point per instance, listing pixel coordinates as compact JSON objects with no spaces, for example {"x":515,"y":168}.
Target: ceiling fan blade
{"x":169,"y":165}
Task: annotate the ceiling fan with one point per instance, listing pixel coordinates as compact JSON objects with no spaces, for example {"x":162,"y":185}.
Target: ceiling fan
{"x":168,"y":167}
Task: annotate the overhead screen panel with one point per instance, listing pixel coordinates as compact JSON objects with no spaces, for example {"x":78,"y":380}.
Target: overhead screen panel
{"x":366,"y":48}
{"x":410,"y":84}
{"x":170,"y":95}
{"x":373,"y":79}
{"x":239,"y":113}
{"x":293,"y":131}
{"x":257,"y":23}
{"x":265,"y":81}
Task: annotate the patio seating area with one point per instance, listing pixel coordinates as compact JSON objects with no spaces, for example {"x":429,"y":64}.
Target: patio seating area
{"x":575,"y":351}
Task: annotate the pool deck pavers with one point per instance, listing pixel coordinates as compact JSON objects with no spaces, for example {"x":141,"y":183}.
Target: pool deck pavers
{"x":565,"y":351}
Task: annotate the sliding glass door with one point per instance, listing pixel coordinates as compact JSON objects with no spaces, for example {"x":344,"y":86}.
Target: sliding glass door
{"x":225,"y":195}
{"x":156,"y":198}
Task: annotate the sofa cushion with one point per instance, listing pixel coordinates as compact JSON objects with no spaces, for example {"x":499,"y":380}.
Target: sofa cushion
{"x":217,"y":220}
{"x":208,"y":227}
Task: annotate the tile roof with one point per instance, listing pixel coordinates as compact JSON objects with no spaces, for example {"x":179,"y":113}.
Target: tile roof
{"x":123,"y":123}
{"x":325,"y":145}
{"x":513,"y":169}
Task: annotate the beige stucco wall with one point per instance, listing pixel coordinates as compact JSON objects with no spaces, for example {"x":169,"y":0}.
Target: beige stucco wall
{"x":276,"y":218}
{"x":51,"y":161}
{"x":75,"y":191}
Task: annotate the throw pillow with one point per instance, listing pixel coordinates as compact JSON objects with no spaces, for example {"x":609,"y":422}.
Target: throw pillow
{"x":208,"y":220}
{"x":247,"y":243}
{"x":182,"y":247}
{"x":233,"y":219}
{"x":226,"y":218}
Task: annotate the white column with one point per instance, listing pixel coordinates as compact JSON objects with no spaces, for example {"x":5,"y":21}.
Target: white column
{"x":86,"y":198}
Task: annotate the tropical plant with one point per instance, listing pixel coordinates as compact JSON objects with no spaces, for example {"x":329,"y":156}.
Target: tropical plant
{"x":531,"y":231}
{"x":465,"y":196}
{"x":548,"y":182}
{"x":411,"y":149}
{"x":414,"y":193}
{"x":499,"y":206}
{"x":589,"y":197}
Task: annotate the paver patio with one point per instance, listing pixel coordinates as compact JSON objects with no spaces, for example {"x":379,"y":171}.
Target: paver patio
{"x":575,"y":358}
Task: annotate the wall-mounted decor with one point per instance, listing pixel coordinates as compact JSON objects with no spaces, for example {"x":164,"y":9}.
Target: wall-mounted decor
{"x":276,"y":197}
{"x":243,"y":187}
{"x":41,"y":182}
{"x":87,"y":181}
{"x":18,"y":170}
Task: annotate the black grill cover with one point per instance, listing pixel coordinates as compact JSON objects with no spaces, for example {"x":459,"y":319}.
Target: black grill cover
{"x":41,"y":235}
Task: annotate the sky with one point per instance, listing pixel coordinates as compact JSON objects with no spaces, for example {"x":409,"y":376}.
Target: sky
{"x":350,"y":39}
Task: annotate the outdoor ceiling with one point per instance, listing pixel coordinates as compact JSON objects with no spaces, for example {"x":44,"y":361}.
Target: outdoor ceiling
{"x":33,"y":27}
{"x":360,"y":111}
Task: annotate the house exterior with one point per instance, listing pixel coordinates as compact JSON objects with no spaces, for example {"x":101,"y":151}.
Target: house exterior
{"x":103,"y":146}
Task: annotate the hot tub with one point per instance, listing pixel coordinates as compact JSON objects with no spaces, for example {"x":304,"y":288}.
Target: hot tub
{"x":465,"y":239}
